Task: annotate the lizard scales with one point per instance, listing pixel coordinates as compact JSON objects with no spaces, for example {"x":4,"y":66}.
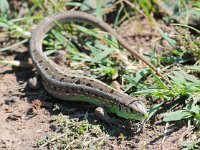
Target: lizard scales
{"x":69,"y":86}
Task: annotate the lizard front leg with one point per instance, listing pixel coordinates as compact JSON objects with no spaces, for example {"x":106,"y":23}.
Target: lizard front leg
{"x":34,"y":82}
{"x":103,"y":115}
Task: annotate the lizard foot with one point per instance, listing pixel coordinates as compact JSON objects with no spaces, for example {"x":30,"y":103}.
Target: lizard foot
{"x":34,"y":83}
{"x":102,"y":114}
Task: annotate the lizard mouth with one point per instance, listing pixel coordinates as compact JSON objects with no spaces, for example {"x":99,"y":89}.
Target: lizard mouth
{"x":139,"y":113}
{"x":132,"y":115}
{"x":136,"y":113}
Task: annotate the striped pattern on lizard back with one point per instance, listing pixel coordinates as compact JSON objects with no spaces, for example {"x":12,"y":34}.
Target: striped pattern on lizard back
{"x":66,"y":85}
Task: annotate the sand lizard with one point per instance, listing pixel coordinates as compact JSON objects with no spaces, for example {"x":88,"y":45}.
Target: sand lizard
{"x":67,"y":86}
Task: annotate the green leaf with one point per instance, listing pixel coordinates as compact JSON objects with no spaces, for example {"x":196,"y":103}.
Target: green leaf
{"x":14,"y":45}
{"x":109,"y":71}
{"x":178,"y":79}
{"x":134,"y":81}
{"x":141,"y":74}
{"x":193,"y":67}
{"x":195,"y":87}
{"x":98,"y":57}
{"x":153,"y":110}
{"x":188,"y":76}
{"x":87,"y":31}
{"x":58,"y":36}
{"x":3,"y":23}
{"x":172,"y":59}
{"x":4,"y":7}
{"x":167,"y":38}
{"x":49,"y":52}
{"x":159,"y":81}
{"x":195,"y":109}
{"x":147,"y":91}
{"x":95,"y":51}
{"x":187,"y":26}
{"x":177,"y":115}
{"x":190,"y":145}
{"x":99,"y":10}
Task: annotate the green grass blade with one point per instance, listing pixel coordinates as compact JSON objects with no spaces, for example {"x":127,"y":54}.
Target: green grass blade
{"x":167,"y":38}
{"x":153,"y":110}
{"x":99,"y":10}
{"x":177,"y":115}
{"x":159,"y":81}
{"x":187,"y":26}
{"x":13,"y":46}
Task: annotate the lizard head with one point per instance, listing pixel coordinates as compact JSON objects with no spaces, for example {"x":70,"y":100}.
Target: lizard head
{"x":134,"y":109}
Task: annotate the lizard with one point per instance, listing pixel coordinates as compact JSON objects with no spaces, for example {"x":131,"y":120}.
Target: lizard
{"x":69,"y":86}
